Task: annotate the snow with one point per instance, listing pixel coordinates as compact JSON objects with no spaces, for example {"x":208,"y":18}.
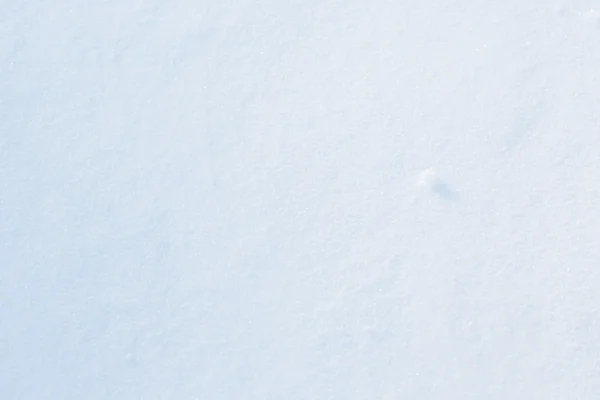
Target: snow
{"x":300,"y":200}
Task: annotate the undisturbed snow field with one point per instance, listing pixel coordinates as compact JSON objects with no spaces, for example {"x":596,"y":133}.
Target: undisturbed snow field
{"x":300,"y":199}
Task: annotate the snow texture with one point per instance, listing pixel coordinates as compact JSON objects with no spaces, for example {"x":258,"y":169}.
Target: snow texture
{"x":300,"y":200}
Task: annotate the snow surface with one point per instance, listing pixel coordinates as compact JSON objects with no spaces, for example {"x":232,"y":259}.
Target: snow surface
{"x":300,"y":200}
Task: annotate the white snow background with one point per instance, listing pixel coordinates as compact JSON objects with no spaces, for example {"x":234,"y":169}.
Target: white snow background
{"x":300,"y":199}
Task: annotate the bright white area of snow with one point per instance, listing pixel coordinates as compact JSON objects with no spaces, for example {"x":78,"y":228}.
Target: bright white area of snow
{"x":300,"y":199}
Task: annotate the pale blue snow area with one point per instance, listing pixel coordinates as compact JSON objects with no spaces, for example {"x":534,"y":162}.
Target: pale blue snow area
{"x":250,"y":200}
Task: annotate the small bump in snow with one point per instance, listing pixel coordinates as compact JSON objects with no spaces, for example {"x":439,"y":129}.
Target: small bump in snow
{"x":429,"y":180}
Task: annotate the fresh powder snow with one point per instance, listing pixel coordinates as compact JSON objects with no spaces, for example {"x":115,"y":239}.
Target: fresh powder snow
{"x":300,"y":200}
